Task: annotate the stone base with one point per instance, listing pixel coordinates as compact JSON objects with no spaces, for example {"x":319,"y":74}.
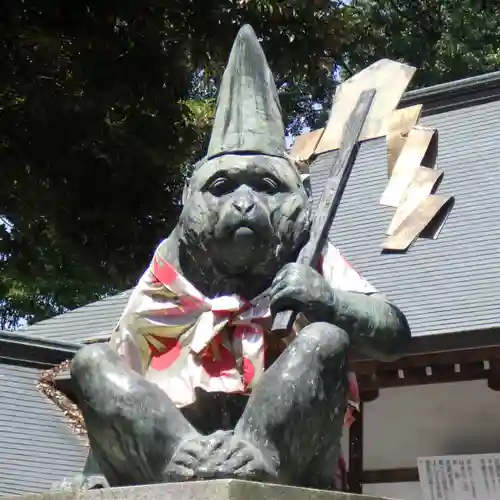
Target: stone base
{"x":200,"y":490}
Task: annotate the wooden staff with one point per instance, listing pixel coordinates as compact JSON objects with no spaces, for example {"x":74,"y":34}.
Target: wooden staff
{"x":330,"y":200}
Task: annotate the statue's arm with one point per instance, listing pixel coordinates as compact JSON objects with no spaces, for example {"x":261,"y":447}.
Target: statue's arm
{"x":376,"y":326}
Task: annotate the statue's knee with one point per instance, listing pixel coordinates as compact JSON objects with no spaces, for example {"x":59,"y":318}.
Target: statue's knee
{"x":323,"y":339}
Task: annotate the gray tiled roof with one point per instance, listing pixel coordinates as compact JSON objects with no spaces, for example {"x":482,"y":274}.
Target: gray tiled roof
{"x":90,"y":321}
{"x":37,"y":448}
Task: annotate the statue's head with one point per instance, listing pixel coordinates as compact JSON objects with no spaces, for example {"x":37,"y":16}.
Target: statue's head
{"x":246,"y":210}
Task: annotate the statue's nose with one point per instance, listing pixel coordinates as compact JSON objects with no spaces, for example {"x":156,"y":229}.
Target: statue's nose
{"x":244,"y":205}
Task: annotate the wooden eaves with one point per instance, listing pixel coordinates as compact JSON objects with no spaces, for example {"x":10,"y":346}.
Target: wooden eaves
{"x":432,"y":359}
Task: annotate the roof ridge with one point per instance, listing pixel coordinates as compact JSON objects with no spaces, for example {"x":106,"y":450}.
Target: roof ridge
{"x":470,"y":90}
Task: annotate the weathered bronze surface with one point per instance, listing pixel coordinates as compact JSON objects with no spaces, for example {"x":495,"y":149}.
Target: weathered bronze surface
{"x":245,"y":218}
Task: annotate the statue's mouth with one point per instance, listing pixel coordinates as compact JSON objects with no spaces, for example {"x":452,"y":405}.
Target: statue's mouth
{"x":242,"y":228}
{"x":243,"y":231}
{"x":234,"y":227}
{"x":243,"y":246}
{"x":244,"y":238}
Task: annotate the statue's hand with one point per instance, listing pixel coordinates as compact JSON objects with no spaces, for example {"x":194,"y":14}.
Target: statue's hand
{"x":81,"y":482}
{"x":298,"y":287}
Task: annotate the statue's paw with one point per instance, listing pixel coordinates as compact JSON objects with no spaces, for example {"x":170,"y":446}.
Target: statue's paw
{"x":192,"y":453}
{"x":240,"y":460}
{"x":183,"y":464}
{"x":81,"y":482}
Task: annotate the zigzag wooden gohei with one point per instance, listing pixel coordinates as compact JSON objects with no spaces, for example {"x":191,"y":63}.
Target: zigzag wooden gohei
{"x":413,"y":180}
{"x":411,"y":153}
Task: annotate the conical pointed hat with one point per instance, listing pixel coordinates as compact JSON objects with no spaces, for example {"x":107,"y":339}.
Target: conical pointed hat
{"x":248,"y":116}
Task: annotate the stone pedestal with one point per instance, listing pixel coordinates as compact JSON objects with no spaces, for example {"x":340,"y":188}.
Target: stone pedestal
{"x":200,"y":490}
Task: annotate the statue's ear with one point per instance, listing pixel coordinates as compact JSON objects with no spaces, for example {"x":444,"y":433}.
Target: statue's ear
{"x":306,"y":179}
{"x":185,"y":193}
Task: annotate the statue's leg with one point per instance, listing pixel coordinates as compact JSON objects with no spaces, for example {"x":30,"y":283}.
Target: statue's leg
{"x":295,"y":416}
{"x":133,"y":427}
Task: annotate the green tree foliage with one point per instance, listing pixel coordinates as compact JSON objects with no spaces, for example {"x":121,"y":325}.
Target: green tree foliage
{"x":103,"y":105}
{"x":445,"y":39}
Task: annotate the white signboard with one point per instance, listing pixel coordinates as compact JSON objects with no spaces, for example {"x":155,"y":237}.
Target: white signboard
{"x":460,"y":477}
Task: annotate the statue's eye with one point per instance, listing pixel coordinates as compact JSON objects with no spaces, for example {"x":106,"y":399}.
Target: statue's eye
{"x":268,"y":184}
{"x":220,"y":186}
